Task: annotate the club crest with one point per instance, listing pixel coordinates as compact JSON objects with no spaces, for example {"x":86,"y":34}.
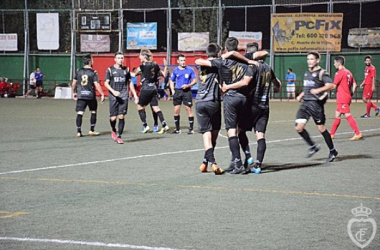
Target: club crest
{"x":361,"y":229}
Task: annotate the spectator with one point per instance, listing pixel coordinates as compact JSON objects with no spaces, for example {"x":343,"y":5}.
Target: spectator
{"x":32,"y":84}
{"x":291,"y":86}
{"x":39,"y":82}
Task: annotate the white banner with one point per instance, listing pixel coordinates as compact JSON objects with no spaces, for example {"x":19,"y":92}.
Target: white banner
{"x":195,"y":41}
{"x":247,"y":37}
{"x":8,"y":42}
{"x":95,"y":43}
{"x":47,"y":31}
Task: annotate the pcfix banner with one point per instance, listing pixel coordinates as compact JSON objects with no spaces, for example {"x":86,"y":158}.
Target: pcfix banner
{"x":364,"y":38}
{"x":193,"y":41}
{"x":47,"y":31}
{"x":8,"y":42}
{"x":246,"y":37}
{"x":141,"y":35}
{"x":302,"y":32}
{"x":95,"y":43}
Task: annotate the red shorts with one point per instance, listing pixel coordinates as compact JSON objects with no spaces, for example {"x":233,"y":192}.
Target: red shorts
{"x":367,"y":92}
{"x":343,"y":108}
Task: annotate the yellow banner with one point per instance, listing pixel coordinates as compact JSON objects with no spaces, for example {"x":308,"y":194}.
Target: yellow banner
{"x":303,"y":32}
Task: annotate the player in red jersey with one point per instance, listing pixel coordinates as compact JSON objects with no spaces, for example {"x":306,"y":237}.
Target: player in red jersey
{"x":345,"y":84}
{"x":369,"y":86}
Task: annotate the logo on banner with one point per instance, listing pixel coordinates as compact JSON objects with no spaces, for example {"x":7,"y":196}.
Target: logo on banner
{"x":361,"y":229}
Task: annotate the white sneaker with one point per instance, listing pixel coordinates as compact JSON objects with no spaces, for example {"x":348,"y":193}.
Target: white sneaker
{"x":163,"y":130}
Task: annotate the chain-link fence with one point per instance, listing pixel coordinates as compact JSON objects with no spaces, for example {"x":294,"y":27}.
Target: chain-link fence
{"x":217,"y":17}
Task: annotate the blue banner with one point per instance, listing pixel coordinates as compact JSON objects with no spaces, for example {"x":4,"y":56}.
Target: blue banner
{"x":141,"y":36}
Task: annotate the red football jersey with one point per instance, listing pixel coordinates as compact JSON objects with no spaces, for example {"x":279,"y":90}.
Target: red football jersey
{"x":344,"y":80}
{"x":369,"y":74}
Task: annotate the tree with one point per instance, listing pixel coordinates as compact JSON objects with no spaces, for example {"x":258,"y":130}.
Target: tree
{"x":205,"y":19}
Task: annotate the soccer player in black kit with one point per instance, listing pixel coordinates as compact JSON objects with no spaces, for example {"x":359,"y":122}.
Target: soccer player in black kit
{"x":313,"y":103}
{"x":85,"y":95}
{"x":208,"y":109}
{"x":259,"y":79}
{"x":150,"y":74}
{"x":117,"y":80}
{"x":235,"y":109}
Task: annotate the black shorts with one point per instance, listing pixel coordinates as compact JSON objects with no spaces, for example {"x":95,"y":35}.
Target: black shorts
{"x":148,"y":96}
{"x":183,"y":96}
{"x":32,"y":86}
{"x":118,"y":105}
{"x":82,"y":104}
{"x":315,"y":109}
{"x":260,"y":119}
{"x":209,"y":116}
{"x":236,"y":112}
{"x":39,"y":84}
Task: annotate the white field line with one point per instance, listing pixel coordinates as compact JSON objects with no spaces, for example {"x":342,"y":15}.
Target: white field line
{"x":159,"y":154}
{"x":86,"y":243}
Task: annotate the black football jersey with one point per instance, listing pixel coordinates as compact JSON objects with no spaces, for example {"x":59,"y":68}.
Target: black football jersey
{"x":86,"y":77}
{"x":313,"y":80}
{"x":150,"y":74}
{"x":208,"y":84}
{"x":119,"y":79}
{"x":231,"y":71}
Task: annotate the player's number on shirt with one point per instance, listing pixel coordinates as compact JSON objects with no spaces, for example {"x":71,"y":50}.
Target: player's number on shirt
{"x":84,"y":81}
{"x":265,"y":78}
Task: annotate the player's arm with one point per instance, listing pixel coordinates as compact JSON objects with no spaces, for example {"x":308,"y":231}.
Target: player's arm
{"x":165,"y":71}
{"x":100,"y":90}
{"x":193,"y":81}
{"x":136,"y":72}
{"x":243,"y":82}
{"x":171,"y":81}
{"x":327,"y":87}
{"x":107,"y":83}
{"x":235,"y":55}
{"x":203,"y":62}
{"x":74,"y":88}
{"x":110,"y":89}
{"x":300,"y":96}
{"x":373,"y":81}
{"x":134,"y":93}
{"x":362,"y":84}
{"x":276,"y":82}
{"x":354,"y":86}
{"x":260,"y":55}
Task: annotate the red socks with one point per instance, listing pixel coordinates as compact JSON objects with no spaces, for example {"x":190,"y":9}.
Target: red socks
{"x":352,"y":122}
{"x":335,"y":126}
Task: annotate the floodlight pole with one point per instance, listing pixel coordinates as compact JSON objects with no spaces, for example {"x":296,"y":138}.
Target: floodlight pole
{"x":220,"y":23}
{"x":26,"y":49}
{"x":169,"y":33}
{"x":121,"y":30}
{"x":328,"y":55}
{"x":73,"y":41}
{"x":271,"y":51}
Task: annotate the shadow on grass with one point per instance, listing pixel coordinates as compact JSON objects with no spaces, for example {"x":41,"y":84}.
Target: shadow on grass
{"x":290,"y":166}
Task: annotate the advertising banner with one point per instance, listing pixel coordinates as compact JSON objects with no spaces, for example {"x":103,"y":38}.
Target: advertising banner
{"x":141,"y":35}
{"x":364,"y":38}
{"x":95,"y":43}
{"x":193,"y":41}
{"x":47,"y":31}
{"x":245,"y":37}
{"x":8,"y":42}
{"x":302,"y":32}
